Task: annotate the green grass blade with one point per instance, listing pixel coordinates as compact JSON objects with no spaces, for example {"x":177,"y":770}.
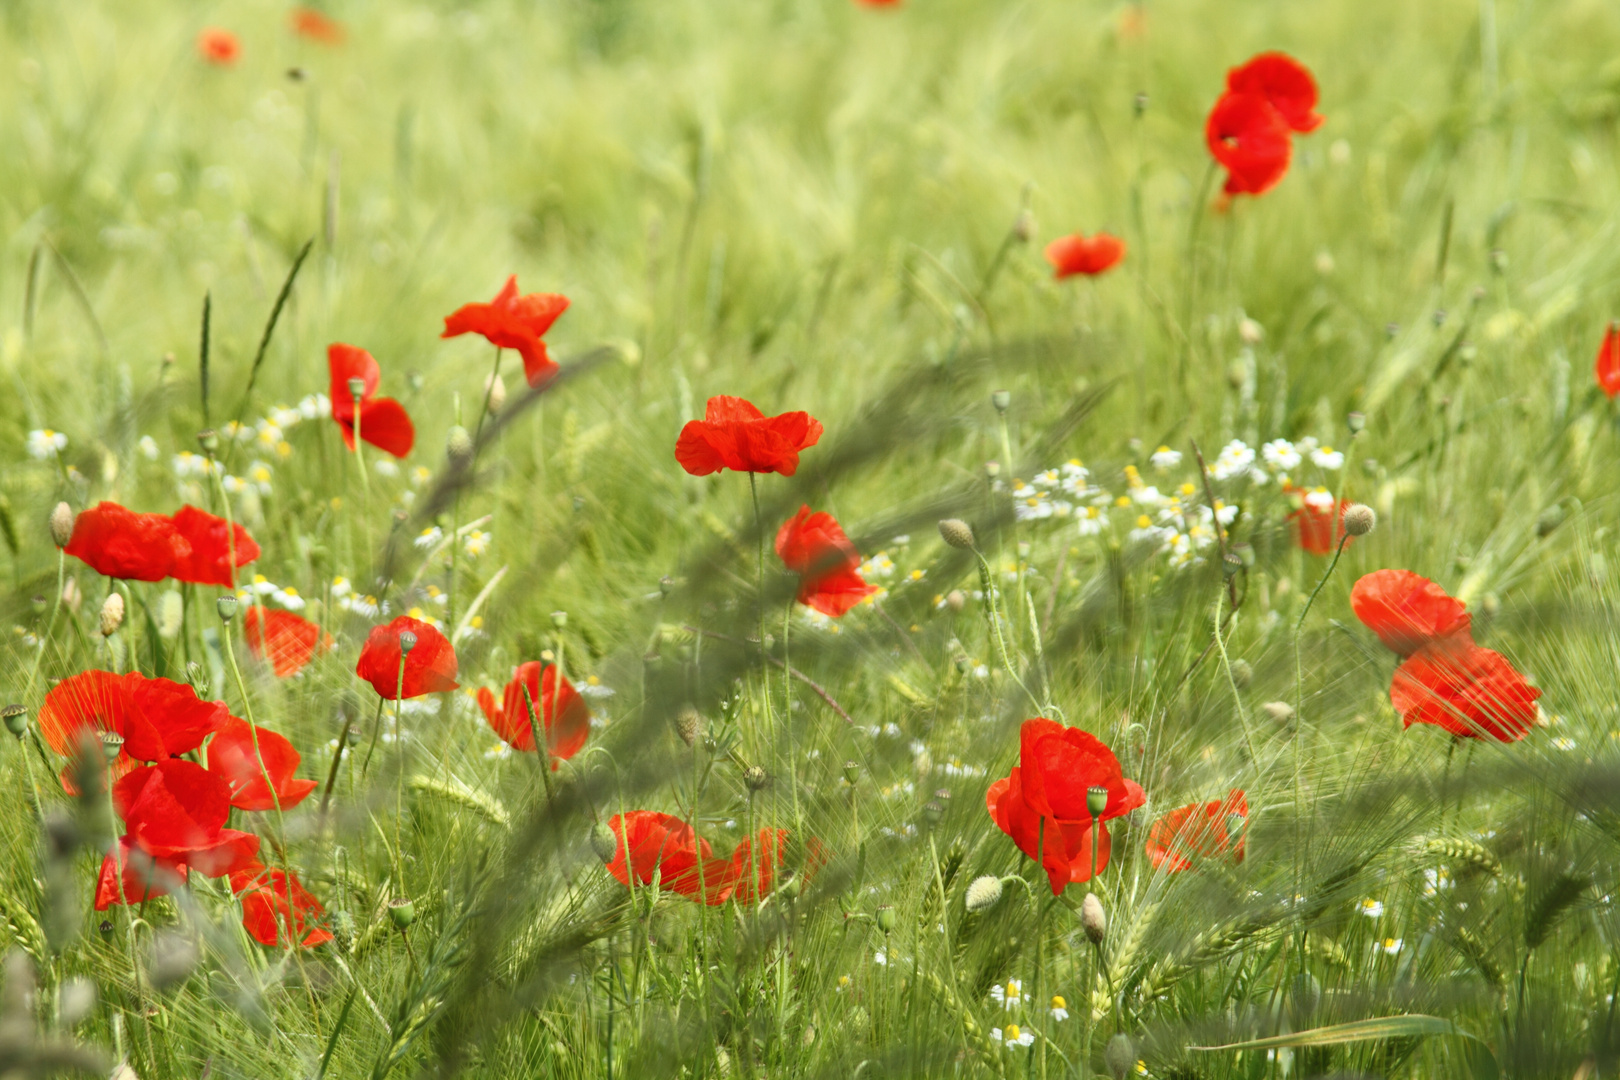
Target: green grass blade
{"x":1386,"y":1027}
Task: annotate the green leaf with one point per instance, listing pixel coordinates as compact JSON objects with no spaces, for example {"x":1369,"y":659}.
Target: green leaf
{"x":1387,"y":1027}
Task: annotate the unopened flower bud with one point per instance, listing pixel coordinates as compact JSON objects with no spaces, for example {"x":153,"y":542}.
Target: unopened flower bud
{"x":984,"y":893}
{"x":407,"y":642}
{"x":1356,"y":422}
{"x":226,"y":606}
{"x":885,"y":918}
{"x":1001,"y":399}
{"x":790,"y":887}
{"x":297,"y":74}
{"x":1120,"y":1056}
{"x":992,"y":469}
{"x":415,"y":380}
{"x":495,"y":394}
{"x":1242,"y":674}
{"x":1231,"y":564}
{"x":1251,"y":332}
{"x":1096,"y":800}
{"x":112,"y":614}
{"x":1280,"y":711}
{"x":559,"y":619}
{"x":687,"y":725}
{"x":756,"y":778}
{"x":16,"y":718}
{"x":1093,"y":920}
{"x":604,"y":842}
{"x":957,"y":533}
{"x":1360,"y":519}
{"x":357,"y":387}
{"x":458,"y":444}
{"x":401,"y":912}
{"x":956,"y":600}
{"x":62,"y":524}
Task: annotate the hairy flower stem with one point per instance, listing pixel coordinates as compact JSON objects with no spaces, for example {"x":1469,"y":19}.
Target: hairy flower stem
{"x":787,"y":713}
{"x":376,"y":729}
{"x":359,"y":454}
{"x":993,"y":613}
{"x":944,"y":914}
{"x":50,"y":627}
{"x":759,"y":529}
{"x":1018,"y":561}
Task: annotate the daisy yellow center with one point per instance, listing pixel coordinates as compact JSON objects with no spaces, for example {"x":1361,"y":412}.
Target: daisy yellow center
{"x":1012,"y":1032}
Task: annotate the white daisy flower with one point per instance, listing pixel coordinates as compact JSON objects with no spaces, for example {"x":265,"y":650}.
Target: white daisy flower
{"x":1436,"y":879}
{"x":315,"y":407}
{"x":283,"y":417}
{"x":437,"y":595}
{"x":421,"y":475}
{"x":1320,"y":500}
{"x":1149,"y":496}
{"x":385,"y":467}
{"x":880,"y":958}
{"x":477,"y":542}
{"x":341,"y":587}
{"x":288,"y":598}
{"x":367,"y":606}
{"x":592,"y":688}
{"x":1051,"y":478}
{"x":258,"y":474}
{"x":234,"y":485}
{"x":429,"y":536}
{"x":879,"y":565}
{"x":1009,"y":996}
{"x":1327,"y":458}
{"x":1092,"y":521}
{"x":148,"y":447}
{"x":1165,"y":458}
{"x":262,"y":585}
{"x":1564,"y":742}
{"x":1060,"y":1008}
{"x":1013,"y":1036}
{"x":421,"y":616}
{"x":1390,"y":945}
{"x":239,"y":432}
{"x":1373,"y":909}
{"x":1235,"y":459}
{"x":1281,"y":454}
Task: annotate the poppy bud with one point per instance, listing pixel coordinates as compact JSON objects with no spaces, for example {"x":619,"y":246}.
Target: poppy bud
{"x":957,"y":533}
{"x":756,"y":778}
{"x":1001,"y":399}
{"x":559,"y":619}
{"x":62,"y":524}
{"x":956,"y":600}
{"x":407,"y":642}
{"x":687,"y":725}
{"x":16,"y":718}
{"x":495,"y":394}
{"x":458,"y":444}
{"x":1280,"y":711}
{"x":933,"y":813}
{"x":1023,"y":226}
{"x":226,"y":606}
{"x":1096,"y":800}
{"x":666,"y":584}
{"x":852,"y":772}
{"x":1242,"y":674}
{"x":357,"y":388}
{"x":112,"y":614}
{"x":885,"y":918}
{"x":1550,"y":519}
{"x":112,"y":744}
{"x":1360,"y":519}
{"x":208,"y":439}
{"x":1093,"y":920}
{"x":1120,"y":1056}
{"x":39,"y":603}
{"x":992,"y":469}
{"x":401,"y":912}
{"x":1251,"y":332}
{"x":1356,"y":422}
{"x":983,"y":894}
{"x":604,"y":842}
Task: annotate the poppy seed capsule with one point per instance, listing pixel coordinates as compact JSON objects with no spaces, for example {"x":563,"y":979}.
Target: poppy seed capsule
{"x":226,"y":606}
{"x":1001,"y":399}
{"x":957,"y":533}
{"x":852,"y":772}
{"x":559,"y":619}
{"x":604,"y":842}
{"x":208,"y":439}
{"x":885,"y":918}
{"x":756,"y":778}
{"x":1120,"y":1056}
{"x":1356,"y":422}
{"x":112,"y":744}
{"x":407,"y":642}
{"x":983,"y":894}
{"x":112,"y":614}
{"x":62,"y":524}
{"x":933,"y":813}
{"x":16,"y":718}
{"x":1096,"y":800}
{"x":1093,"y":920}
{"x":401,"y":912}
{"x":1360,"y":519}
{"x":458,"y":444}
{"x":357,"y":388}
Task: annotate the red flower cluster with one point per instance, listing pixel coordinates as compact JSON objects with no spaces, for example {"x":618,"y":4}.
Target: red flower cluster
{"x":284,"y":640}
{"x":1249,"y":130}
{"x":1607,"y":368}
{"x":1042,"y":803}
{"x":1080,"y":254}
{"x":155,"y":718}
{"x":734,"y":435}
{"x":430,"y":667}
{"x":516,"y":322}
{"x":815,"y":547}
{"x":662,"y":847}
{"x":1199,"y":831}
{"x":383,"y":422}
{"x":1445,"y":679}
{"x":219,"y":47}
{"x":535,"y":697}
{"x":192,"y":546}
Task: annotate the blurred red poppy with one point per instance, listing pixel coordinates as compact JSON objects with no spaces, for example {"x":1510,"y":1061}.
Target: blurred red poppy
{"x":276,"y":903}
{"x":286,"y":641}
{"x":754,"y":866}
{"x":430,"y":668}
{"x":383,"y":422}
{"x":157,"y":718}
{"x":1089,"y":255}
{"x":734,"y":435}
{"x":1607,"y":368}
{"x":1199,"y":831}
{"x":815,"y":547}
{"x":317,"y":26}
{"x":515,"y":322}
{"x":533,"y":697}
{"x":878,"y":3}
{"x":259,"y":779}
{"x":213,"y":542}
{"x":146,"y":875}
{"x":173,"y":807}
{"x":1284,"y":83}
{"x":1249,"y":138}
{"x":219,"y":47}
{"x":1465,"y":689}
{"x":1320,"y":528}
{"x":1042,"y":804}
{"x":118,"y":543}
{"x":1406,"y":611}
{"x":651,"y":845}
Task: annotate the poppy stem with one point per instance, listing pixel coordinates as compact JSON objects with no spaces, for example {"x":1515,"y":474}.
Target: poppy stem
{"x":337,"y":758}
{"x":376,"y":729}
{"x":1343,"y":540}
{"x":764,"y":653}
{"x":359,"y":451}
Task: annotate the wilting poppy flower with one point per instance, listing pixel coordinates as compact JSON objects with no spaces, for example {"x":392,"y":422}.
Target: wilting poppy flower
{"x":533,"y":699}
{"x":515,"y":322}
{"x":119,"y":543}
{"x":1250,"y":138}
{"x":146,"y":875}
{"x":1285,"y":83}
{"x":383,"y":422}
{"x":1320,"y":527}
{"x":735,"y":435}
{"x":1199,"y":831}
{"x":158,"y":718}
{"x":1607,"y":368}
{"x":1089,"y":255}
{"x":430,"y":668}
{"x":276,"y":903}
{"x":662,"y":846}
{"x":173,"y":807}
{"x":815,"y":547}
{"x":317,"y":26}
{"x":258,"y":780}
{"x":213,"y":542}
{"x":1042,"y":804}
{"x":1465,"y":689}
{"x":1406,"y":611}
{"x":219,"y":47}
{"x":286,"y":641}
{"x":754,"y":866}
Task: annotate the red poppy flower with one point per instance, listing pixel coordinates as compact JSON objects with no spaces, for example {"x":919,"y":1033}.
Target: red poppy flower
{"x":1199,"y":831}
{"x":118,"y":543}
{"x":533,"y":697}
{"x":735,"y":435}
{"x":312,"y":24}
{"x":878,"y":3}
{"x":212,"y":541}
{"x":286,"y":640}
{"x":158,"y":718}
{"x":1607,"y":368}
{"x":173,"y":807}
{"x":429,"y":669}
{"x":1320,"y":528}
{"x":1250,"y":138}
{"x":146,"y":875}
{"x":275,"y":902}
{"x":1042,"y":804}
{"x":384,"y":423}
{"x":815,"y":547}
{"x":1283,"y":82}
{"x":1406,"y":611}
{"x":1089,"y":255}
{"x":1465,"y":689}
{"x":653,"y":844}
{"x":219,"y":47}
{"x":261,"y":780}
{"x":754,"y":866}
{"x":515,"y":322}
